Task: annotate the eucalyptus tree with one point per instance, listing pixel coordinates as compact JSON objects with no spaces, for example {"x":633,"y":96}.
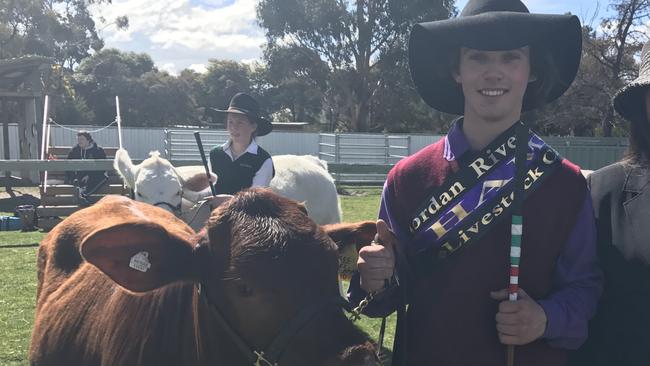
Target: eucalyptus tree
{"x":353,"y":37}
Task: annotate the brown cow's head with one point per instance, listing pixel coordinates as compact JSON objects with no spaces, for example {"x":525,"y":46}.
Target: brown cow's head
{"x":261,"y":262}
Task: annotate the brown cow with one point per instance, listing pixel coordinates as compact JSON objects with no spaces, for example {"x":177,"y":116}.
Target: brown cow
{"x":125,"y":283}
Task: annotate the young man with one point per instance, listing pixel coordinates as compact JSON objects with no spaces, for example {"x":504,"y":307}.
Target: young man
{"x":618,"y":334}
{"x":446,"y":211}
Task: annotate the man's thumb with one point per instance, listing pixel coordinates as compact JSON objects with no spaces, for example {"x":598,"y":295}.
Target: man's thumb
{"x":499,"y":295}
{"x":385,"y":236}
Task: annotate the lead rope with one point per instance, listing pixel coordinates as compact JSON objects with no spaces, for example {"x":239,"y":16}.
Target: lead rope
{"x":355,"y":314}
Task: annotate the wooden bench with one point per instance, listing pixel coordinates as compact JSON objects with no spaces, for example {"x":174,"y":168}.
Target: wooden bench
{"x":59,"y":200}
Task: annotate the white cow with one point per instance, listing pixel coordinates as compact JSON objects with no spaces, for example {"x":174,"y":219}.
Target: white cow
{"x":157,"y":182}
{"x":303,"y":178}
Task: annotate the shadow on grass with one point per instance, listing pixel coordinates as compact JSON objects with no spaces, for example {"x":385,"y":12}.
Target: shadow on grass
{"x":32,"y":245}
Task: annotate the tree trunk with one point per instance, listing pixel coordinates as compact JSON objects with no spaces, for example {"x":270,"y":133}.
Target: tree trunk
{"x":363,"y":112}
{"x":606,"y":122}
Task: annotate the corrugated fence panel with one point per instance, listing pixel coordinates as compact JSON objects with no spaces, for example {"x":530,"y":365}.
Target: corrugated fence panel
{"x":137,"y":141}
{"x":298,"y":143}
{"x":589,"y":152}
{"x":183,"y":144}
{"x":418,"y":142}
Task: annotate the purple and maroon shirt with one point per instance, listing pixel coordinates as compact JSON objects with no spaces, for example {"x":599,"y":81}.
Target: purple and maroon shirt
{"x":576,"y":282}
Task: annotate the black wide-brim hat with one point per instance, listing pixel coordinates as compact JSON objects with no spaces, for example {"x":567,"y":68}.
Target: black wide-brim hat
{"x":242,"y":103}
{"x":630,"y":102}
{"x":492,"y":25}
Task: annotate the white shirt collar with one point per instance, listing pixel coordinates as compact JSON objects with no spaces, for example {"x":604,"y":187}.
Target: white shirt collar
{"x":252,"y":148}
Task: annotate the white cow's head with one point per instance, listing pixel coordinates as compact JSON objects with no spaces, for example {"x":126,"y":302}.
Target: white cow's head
{"x":157,"y":182}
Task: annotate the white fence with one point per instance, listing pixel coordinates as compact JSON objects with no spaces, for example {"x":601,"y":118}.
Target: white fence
{"x":363,"y":148}
{"x":178,"y":144}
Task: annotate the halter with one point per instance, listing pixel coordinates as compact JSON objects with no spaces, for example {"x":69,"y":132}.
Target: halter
{"x":271,"y":355}
{"x":175,"y":209}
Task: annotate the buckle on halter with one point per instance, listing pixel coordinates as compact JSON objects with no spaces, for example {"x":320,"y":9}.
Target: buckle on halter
{"x":261,"y":361}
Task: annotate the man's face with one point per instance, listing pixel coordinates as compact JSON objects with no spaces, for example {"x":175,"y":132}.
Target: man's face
{"x":240,"y":127}
{"x":82,"y":141}
{"x":494,"y":83}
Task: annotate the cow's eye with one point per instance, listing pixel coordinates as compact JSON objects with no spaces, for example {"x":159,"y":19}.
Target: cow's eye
{"x":139,"y":194}
{"x":178,"y":194}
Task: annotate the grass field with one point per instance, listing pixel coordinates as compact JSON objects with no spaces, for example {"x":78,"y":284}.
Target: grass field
{"x":18,"y":280}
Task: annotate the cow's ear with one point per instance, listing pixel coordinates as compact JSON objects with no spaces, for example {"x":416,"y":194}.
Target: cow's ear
{"x":349,"y":238}
{"x":123,"y":165}
{"x":140,"y":257}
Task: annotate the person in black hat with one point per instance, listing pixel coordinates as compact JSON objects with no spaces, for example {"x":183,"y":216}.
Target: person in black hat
{"x":452,"y":215}
{"x":618,"y":334}
{"x":241,"y":163}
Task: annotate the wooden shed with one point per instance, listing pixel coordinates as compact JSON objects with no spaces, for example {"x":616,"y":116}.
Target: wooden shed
{"x":21,"y":92}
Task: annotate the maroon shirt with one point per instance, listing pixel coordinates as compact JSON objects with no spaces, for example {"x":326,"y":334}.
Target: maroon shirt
{"x":451,"y":317}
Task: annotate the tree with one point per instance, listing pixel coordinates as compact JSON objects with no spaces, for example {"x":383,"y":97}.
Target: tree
{"x":148,"y":97}
{"x":608,"y":62}
{"x":580,"y":110}
{"x":352,"y":37}
{"x":161,"y":99}
{"x":615,"y":49}
{"x":294,"y":79}
{"x":61,"y":29}
{"x":107,"y":73}
{"x":222,"y":80}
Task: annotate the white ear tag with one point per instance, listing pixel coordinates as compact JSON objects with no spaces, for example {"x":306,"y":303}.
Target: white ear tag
{"x":140,"y":262}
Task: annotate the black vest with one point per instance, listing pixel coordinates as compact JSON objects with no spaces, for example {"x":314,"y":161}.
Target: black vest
{"x":233,"y":176}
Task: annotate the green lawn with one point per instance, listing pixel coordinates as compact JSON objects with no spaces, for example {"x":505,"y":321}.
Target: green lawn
{"x":18,"y":280}
{"x":17,"y":295}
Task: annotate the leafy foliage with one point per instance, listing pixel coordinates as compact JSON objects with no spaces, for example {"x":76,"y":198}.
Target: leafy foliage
{"x":341,"y":64}
{"x":355,"y":39}
{"x":61,"y":29}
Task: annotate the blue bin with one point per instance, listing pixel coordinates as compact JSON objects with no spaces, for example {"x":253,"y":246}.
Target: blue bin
{"x":10,"y":223}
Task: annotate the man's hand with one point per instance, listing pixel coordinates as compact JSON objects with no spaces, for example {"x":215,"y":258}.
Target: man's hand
{"x":519,"y":322}
{"x":376,"y":261}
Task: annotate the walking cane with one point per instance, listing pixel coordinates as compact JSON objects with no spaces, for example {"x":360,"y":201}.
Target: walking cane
{"x":521,"y":156}
{"x":197,"y":136}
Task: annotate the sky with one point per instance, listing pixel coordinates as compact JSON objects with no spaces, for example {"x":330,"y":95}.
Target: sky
{"x":180,"y":34}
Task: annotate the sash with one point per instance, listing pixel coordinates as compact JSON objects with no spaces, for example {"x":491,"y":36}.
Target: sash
{"x":472,"y":201}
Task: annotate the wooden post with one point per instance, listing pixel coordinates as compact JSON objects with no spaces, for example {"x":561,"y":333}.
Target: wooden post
{"x":387,"y":150}
{"x":408,"y":145}
{"x":44,"y":142}
{"x":46,"y":111}
{"x":28,"y":136}
{"x":337,"y":147}
{"x":5,"y":143}
{"x":119,"y":120}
